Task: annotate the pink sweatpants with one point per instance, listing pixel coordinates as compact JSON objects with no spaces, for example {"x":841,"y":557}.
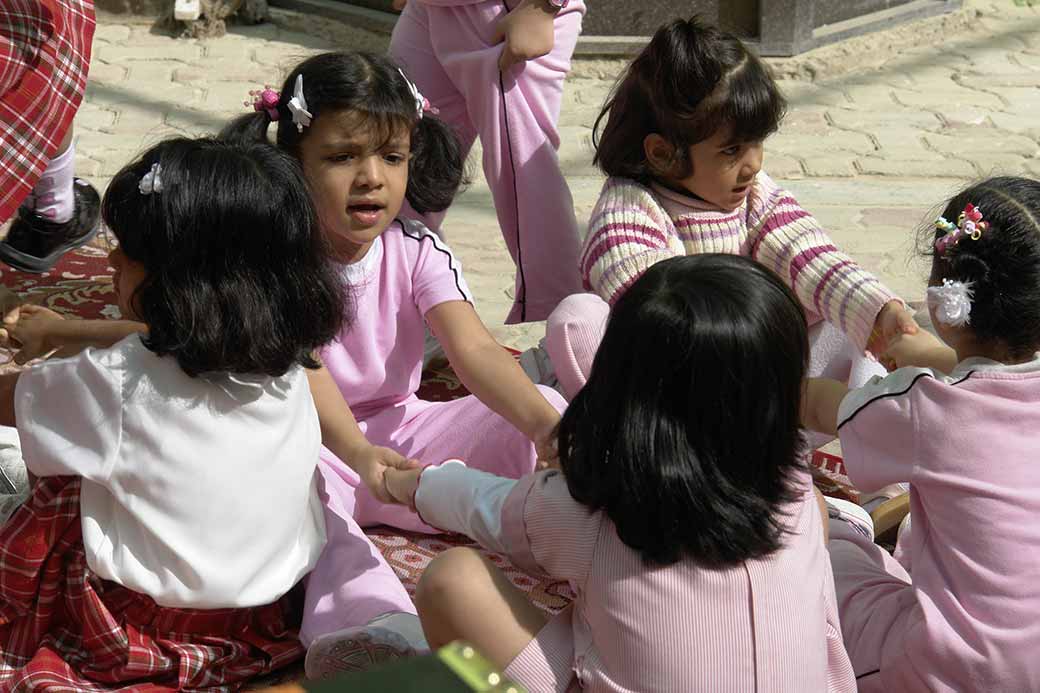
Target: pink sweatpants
{"x":450,"y":54}
{"x":351,"y":584}
{"x":574,"y":330}
{"x":878,"y":609}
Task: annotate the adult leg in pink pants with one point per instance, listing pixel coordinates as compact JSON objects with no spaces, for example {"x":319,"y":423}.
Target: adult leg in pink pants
{"x":449,"y":51}
{"x":878,"y":609}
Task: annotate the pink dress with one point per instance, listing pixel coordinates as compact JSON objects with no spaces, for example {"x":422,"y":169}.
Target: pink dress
{"x":768,"y":624}
{"x":377,"y":363}
{"x":966,"y":619}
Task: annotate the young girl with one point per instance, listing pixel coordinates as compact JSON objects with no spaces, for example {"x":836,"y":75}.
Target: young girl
{"x":960,"y":422}
{"x":496,"y":69}
{"x":176,"y":504}
{"x":366,"y":143}
{"x":685,"y":522}
{"x":682,"y":146}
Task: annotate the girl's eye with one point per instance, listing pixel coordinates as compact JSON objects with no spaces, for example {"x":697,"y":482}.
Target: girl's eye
{"x":395,"y":159}
{"x":341,"y":158}
{"x":731,"y":151}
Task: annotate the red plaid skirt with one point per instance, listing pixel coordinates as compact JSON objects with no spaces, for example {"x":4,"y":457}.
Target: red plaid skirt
{"x":44,"y":59}
{"x":63,"y":628}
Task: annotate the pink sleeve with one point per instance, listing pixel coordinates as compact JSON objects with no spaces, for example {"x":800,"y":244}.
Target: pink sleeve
{"x":841,"y":678}
{"x":829,"y":284}
{"x":437,"y":273}
{"x":877,"y":428}
{"x":546,"y":531}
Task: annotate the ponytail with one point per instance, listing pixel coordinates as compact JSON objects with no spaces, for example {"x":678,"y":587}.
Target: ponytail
{"x":246,"y":129}
{"x":436,"y":169}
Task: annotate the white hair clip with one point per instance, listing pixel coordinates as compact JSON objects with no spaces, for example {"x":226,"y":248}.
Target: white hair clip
{"x":298,"y":106}
{"x":151,"y":182}
{"x":422,"y":104}
{"x":952,"y":302}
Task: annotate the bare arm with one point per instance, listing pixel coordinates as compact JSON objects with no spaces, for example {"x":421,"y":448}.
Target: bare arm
{"x":8,"y":381}
{"x":820,"y":404}
{"x":36,"y":331}
{"x":489,"y":372}
{"x":341,"y":434}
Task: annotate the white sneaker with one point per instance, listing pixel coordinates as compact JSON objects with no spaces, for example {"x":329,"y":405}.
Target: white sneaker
{"x":851,"y":514}
{"x":535,"y":362}
{"x":394,"y":635}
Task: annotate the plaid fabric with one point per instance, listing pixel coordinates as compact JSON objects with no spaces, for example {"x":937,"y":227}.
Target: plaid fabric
{"x":64,"y":629}
{"x":44,"y":58}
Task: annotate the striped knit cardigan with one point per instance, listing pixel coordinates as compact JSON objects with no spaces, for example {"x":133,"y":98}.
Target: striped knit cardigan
{"x":633,"y":226}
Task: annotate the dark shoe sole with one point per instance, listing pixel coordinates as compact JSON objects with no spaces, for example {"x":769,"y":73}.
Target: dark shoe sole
{"x":38,"y":265}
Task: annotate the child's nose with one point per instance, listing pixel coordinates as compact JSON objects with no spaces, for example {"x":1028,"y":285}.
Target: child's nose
{"x":370,"y":173}
{"x":752,"y":162}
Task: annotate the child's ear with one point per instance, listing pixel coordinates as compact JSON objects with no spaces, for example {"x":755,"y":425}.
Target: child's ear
{"x":660,"y":154}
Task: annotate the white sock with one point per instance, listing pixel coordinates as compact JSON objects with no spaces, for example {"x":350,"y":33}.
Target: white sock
{"x":53,"y":196}
{"x":406,"y":625}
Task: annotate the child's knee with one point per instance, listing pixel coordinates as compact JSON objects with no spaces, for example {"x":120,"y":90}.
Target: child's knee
{"x":447,"y":579}
{"x":572,"y":336}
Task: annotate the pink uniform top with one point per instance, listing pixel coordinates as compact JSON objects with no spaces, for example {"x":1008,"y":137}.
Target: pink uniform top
{"x":377,"y":359}
{"x":969,"y":444}
{"x":768,"y":624}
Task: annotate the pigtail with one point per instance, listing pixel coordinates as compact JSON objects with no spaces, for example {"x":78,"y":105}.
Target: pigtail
{"x":246,"y":129}
{"x":436,"y":169}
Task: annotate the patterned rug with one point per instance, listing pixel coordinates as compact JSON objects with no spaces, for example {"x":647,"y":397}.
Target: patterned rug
{"x":81,"y":286}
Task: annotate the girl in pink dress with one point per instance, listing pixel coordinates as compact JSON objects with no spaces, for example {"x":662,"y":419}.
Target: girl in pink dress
{"x":367,"y":141}
{"x":683,"y":515}
{"x":956,"y":609}
{"x":681,"y":141}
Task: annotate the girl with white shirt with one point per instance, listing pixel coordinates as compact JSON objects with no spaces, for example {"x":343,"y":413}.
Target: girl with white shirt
{"x":175,"y":504}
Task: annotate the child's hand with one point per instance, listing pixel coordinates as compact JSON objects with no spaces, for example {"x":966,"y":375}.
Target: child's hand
{"x":402,"y":484}
{"x":893,"y":320}
{"x":28,"y":329}
{"x":526,"y":33}
{"x":373,"y":463}
{"x":547,"y":449}
{"x":921,"y":349}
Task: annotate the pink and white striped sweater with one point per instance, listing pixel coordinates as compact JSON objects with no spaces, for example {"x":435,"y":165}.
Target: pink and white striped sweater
{"x":633,"y":226}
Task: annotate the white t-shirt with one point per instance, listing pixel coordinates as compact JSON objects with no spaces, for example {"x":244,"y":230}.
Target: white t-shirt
{"x":199,"y":492}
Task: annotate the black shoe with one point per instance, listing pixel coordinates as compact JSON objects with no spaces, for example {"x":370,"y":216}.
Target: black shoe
{"x":35,"y":244}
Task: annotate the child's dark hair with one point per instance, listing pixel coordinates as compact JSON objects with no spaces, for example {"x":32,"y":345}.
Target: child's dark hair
{"x":687,"y":430}
{"x":373,"y":87}
{"x":238,"y":274}
{"x":691,"y":80}
{"x":1003,"y":265}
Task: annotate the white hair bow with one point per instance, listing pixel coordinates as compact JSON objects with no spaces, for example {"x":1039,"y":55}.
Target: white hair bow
{"x":952,"y":302}
{"x":422,"y":104}
{"x":151,"y":182}
{"x":298,"y":106}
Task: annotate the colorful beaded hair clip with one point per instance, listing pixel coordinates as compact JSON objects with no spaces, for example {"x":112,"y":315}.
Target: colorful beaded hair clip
{"x":969,"y":224}
{"x":265,"y":99}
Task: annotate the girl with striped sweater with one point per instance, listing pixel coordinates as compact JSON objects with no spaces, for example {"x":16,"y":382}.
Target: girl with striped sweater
{"x":681,"y":141}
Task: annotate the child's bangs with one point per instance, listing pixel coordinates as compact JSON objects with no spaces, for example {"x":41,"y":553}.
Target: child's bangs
{"x":750,"y":104}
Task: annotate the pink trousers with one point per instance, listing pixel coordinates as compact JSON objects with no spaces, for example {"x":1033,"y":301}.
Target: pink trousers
{"x":450,"y":54}
{"x":574,"y":330}
{"x":352,"y":583}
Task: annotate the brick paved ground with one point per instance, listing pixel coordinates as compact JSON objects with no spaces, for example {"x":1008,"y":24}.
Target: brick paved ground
{"x":870,"y":152}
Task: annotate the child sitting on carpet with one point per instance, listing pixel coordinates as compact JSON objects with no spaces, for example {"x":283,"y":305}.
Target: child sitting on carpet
{"x":681,"y":141}
{"x":176,"y":503}
{"x":367,"y":141}
{"x":956,"y":610}
{"x":683,"y":515}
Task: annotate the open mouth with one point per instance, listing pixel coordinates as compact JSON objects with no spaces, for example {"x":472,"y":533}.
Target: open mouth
{"x":365,"y":213}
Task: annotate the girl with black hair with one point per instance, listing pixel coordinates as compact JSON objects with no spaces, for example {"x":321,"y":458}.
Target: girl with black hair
{"x":367,"y":142}
{"x":681,"y":139}
{"x":956,"y":608}
{"x":683,"y":514}
{"x":176,"y":504}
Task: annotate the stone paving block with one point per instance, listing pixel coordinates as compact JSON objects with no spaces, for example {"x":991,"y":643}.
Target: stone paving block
{"x":982,"y":141}
{"x":576,"y":151}
{"x":911,"y":168}
{"x":830,"y":165}
{"x":783,"y":166}
{"x":86,"y":167}
{"x":939,"y":97}
{"x":111,"y":33}
{"x":873,"y":95}
{"x":92,"y":116}
{"x":889,"y":119}
{"x":831,"y":141}
{"x":1028,"y":125}
{"x":228,"y":96}
{"x":229,"y":48}
{"x":207,"y":72}
{"x":802,"y":94}
{"x":804,"y":122}
{"x":903,"y":143}
{"x":106,"y":72}
{"x":182,"y":51}
{"x":1023,"y":100}
{"x":963,"y":116}
{"x":1028,"y":59}
{"x":1001,"y":164}
{"x":193,"y":122}
{"x":155,"y":74}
